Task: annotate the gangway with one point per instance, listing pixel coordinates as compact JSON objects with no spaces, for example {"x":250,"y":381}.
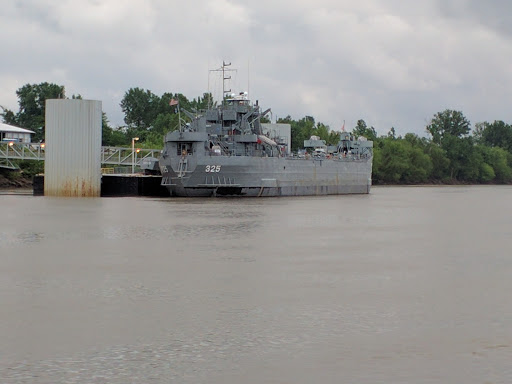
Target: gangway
{"x":124,"y":156}
{"x":11,"y":150}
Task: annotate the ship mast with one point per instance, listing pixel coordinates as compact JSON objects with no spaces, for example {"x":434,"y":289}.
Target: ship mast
{"x":224,"y":78}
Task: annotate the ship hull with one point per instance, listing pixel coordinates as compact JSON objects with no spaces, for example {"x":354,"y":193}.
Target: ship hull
{"x":259,"y":177}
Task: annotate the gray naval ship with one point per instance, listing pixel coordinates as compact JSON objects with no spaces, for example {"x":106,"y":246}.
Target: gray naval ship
{"x":223,"y":151}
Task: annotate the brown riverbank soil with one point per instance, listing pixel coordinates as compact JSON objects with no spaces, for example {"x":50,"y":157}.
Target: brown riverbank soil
{"x":18,"y":182}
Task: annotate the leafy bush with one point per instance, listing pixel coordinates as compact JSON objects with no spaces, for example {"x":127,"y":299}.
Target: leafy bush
{"x":30,"y":168}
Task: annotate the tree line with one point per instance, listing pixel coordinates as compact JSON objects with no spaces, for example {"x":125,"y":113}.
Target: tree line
{"x":452,"y":152}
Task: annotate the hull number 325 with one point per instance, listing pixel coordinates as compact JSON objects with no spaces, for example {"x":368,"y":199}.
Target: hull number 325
{"x":212,"y":168}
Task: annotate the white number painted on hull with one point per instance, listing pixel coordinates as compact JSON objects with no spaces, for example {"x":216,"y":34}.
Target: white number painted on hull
{"x":212,"y":168}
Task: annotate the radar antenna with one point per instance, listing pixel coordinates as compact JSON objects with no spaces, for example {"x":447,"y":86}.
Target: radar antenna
{"x":225,"y":77}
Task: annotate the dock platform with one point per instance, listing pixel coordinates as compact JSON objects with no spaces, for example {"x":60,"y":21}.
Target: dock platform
{"x":119,"y":185}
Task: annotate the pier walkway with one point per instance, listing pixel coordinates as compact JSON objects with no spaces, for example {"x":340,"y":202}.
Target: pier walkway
{"x":10,"y":151}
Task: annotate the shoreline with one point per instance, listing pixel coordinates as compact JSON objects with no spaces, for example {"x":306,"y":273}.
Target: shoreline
{"x":25,"y":186}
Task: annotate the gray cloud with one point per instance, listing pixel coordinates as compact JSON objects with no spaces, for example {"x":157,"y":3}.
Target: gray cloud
{"x":388,"y":62}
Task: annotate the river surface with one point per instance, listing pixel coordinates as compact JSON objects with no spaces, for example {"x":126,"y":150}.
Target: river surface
{"x":405,"y":285}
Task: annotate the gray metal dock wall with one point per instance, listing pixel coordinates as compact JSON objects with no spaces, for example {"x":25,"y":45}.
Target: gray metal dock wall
{"x":73,"y":148}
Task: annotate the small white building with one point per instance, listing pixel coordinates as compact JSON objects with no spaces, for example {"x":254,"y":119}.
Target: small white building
{"x":12,"y":133}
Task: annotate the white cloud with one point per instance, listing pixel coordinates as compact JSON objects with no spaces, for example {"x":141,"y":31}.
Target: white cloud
{"x":390,"y":63}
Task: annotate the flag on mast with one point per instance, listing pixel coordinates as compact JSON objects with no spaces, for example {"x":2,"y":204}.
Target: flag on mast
{"x":174,"y":102}
{"x":343,"y":126}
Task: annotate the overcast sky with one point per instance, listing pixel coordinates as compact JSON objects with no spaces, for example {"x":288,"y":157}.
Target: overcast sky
{"x":389,"y":62}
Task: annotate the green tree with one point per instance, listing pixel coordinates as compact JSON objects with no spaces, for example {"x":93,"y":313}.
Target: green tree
{"x":32,"y":105}
{"x":440,"y":162}
{"x":464,"y":162}
{"x":164,"y":123}
{"x":154,"y":140}
{"x":497,"y":159}
{"x":201,"y":103}
{"x":362,"y":129}
{"x":300,"y":130}
{"x":322,"y":131}
{"x":393,"y":161}
{"x":398,"y":161}
{"x":496,"y":134}
{"x":416,"y":141}
{"x":450,"y":130}
{"x":448,"y":122}
{"x":420,"y":166}
{"x":140,"y":108}
{"x":112,"y":137}
{"x":377,"y":172}
{"x":8,"y":116}
{"x":150,"y":117}
{"x":334,"y":138}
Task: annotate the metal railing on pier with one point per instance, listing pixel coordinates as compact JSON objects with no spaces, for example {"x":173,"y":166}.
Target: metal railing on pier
{"x":10,"y":151}
{"x":125,"y":156}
